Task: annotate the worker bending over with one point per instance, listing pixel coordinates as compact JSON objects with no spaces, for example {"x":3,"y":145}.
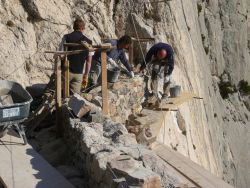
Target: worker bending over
{"x":160,"y":64}
{"x":113,"y":56}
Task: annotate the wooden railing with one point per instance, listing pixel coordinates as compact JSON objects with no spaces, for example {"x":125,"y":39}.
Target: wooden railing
{"x":65,"y":82}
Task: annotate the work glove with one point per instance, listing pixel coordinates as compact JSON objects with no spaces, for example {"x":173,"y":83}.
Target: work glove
{"x":137,"y":68}
{"x":84,"y":81}
{"x":167,"y":79}
{"x":111,"y":63}
{"x":131,"y":74}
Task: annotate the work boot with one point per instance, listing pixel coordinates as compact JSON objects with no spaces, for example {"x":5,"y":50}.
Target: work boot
{"x":164,"y":97}
{"x":157,"y":103}
{"x":166,"y":89}
{"x":152,"y":99}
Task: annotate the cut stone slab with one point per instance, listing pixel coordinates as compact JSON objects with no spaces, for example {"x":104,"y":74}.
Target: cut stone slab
{"x":22,"y":167}
{"x":135,"y":173}
{"x":124,"y":165}
{"x":97,"y":100}
{"x":144,"y":178}
{"x":125,"y":139}
{"x":96,"y":90}
{"x":78,"y":106}
{"x":110,"y":128}
{"x":98,"y":116}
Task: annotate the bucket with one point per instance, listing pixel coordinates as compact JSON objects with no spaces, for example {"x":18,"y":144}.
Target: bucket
{"x":113,"y":75}
{"x":175,"y":91}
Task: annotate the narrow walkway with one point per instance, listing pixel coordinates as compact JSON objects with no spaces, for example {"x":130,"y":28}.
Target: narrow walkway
{"x":22,"y":167}
{"x":192,"y":171}
{"x":155,"y":120}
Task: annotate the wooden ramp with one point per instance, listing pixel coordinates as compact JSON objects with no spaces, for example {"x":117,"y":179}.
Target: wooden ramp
{"x":171,"y":105}
{"x":192,"y":171}
{"x":153,"y":119}
{"x":22,"y":167}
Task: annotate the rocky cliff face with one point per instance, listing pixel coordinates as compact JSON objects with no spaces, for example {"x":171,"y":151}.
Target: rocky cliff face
{"x":211,"y":40}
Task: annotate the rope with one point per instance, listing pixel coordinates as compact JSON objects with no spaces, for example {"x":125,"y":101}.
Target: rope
{"x":136,"y":32}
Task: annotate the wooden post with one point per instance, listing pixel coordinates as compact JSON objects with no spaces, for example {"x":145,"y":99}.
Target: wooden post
{"x":131,"y":53}
{"x":66,"y":77}
{"x":104,"y":83}
{"x":66,"y":74}
{"x":58,"y":73}
{"x":58,"y":82}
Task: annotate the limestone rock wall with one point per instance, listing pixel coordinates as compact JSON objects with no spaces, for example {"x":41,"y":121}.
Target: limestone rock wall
{"x":210,"y":39}
{"x":110,"y":157}
{"x":28,"y":28}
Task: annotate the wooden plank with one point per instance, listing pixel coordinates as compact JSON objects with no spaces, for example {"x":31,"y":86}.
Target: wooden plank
{"x":73,"y":45}
{"x":190,"y":169}
{"x":58,"y":73}
{"x":22,"y":167}
{"x":65,"y":53}
{"x":146,"y":39}
{"x":62,"y":53}
{"x":173,"y":103}
{"x":141,"y":39}
{"x":87,"y":46}
{"x":163,"y":1}
{"x":104,"y":83}
{"x":105,"y":46}
{"x":131,"y":54}
{"x":73,"y":52}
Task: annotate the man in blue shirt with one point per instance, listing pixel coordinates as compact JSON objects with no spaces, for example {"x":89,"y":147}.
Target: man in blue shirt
{"x":160,"y":64}
{"x":113,"y":56}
